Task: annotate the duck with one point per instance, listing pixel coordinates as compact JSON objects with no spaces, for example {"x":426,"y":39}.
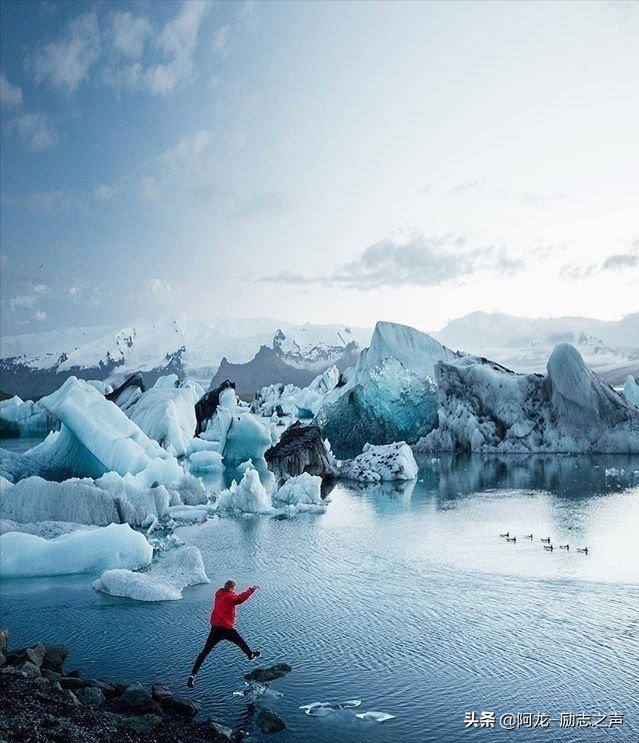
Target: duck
{"x":507,"y":534}
{"x":529,"y":536}
{"x":584,"y":550}
{"x":511,"y":539}
{"x":564,"y":546}
{"x":546,"y":540}
{"x":548,"y":547}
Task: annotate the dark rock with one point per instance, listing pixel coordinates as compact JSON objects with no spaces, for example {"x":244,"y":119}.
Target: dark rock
{"x":4,"y":639}
{"x":28,"y":670}
{"x":70,"y":682}
{"x":268,"y":722}
{"x":54,"y":657}
{"x":270,"y":673}
{"x":3,"y":659}
{"x":51,"y":675}
{"x":141,"y":724}
{"x":75,"y":673}
{"x":206,"y":406}
{"x":169,"y":703}
{"x":36,"y":654}
{"x":68,"y":697}
{"x":136,"y":699}
{"x":108,"y":690}
{"x":90,"y":696}
{"x":300,"y":449}
{"x":219,"y":729}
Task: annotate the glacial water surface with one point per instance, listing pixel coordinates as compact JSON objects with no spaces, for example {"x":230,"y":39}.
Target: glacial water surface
{"x":402,"y":596}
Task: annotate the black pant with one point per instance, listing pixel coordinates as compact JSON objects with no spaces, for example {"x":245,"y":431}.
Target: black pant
{"x":215,"y":635}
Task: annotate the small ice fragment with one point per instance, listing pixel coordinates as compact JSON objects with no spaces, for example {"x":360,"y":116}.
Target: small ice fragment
{"x":350,"y":703}
{"x":375,"y":716}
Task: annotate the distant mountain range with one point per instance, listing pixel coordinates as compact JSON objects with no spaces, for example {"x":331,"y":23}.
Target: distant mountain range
{"x":33,"y":365}
{"x":257,"y":352}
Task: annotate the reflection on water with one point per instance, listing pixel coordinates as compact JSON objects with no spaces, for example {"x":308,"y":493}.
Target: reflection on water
{"x":402,"y":595}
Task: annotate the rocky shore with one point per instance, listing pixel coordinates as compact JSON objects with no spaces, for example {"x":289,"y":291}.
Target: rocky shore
{"x":41,"y":702}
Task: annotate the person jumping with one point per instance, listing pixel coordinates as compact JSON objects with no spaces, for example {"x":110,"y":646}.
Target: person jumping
{"x":223,"y":625}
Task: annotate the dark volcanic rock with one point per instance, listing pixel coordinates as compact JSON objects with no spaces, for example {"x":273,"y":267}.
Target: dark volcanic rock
{"x":206,"y":406}
{"x":135,"y":380}
{"x":90,"y":696}
{"x":54,"y":657}
{"x":269,"y":673}
{"x":300,"y":449}
{"x":141,"y":724}
{"x":4,"y":639}
{"x":176,"y":705}
{"x":137,"y":700}
{"x":268,"y":722}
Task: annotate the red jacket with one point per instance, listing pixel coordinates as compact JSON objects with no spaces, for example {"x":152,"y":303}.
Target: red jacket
{"x":223,"y":614}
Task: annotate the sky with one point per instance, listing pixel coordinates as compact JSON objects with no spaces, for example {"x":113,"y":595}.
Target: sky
{"x":326,"y":162}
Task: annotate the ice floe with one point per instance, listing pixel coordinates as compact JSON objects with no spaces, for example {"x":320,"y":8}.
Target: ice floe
{"x":163,"y":581}
{"x":384,"y":462}
{"x":167,"y":415}
{"x":83,"y":551}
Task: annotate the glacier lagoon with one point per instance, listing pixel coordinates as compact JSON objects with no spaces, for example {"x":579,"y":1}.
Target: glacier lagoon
{"x":401,"y":595}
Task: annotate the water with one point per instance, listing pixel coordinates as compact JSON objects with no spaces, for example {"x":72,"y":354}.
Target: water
{"x":402,"y":596}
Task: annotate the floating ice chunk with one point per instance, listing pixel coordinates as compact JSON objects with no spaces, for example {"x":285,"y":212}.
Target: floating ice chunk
{"x":189,"y":514}
{"x":45,"y":529}
{"x":102,"y":387}
{"x":169,"y":381}
{"x":392,"y":403}
{"x":318,"y":709}
{"x":484,"y":407}
{"x":116,"y":442}
{"x":351,"y":703}
{"x":84,"y":551}
{"x":246,"y":439}
{"x":164,"y":581}
{"x":167,"y":415}
{"x":135,"y":503}
{"x":190,"y":491}
{"x":380,"y":463}
{"x":249,"y":496}
{"x":303,"y":489}
{"x":631,"y":390}
{"x":25,"y":418}
{"x":375,"y":716}
{"x":206,"y":460}
{"x":78,"y":501}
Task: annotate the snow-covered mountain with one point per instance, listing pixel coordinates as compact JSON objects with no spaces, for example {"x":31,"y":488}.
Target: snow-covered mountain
{"x":523,"y":344}
{"x":35,"y":364}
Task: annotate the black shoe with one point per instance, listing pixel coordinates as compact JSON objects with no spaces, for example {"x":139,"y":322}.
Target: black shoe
{"x":190,"y":682}
{"x":255,"y":654}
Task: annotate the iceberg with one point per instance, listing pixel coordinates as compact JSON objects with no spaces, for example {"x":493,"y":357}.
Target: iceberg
{"x":631,"y":390}
{"x":206,"y":460}
{"x":374,"y":716}
{"x":25,"y":418}
{"x":301,"y":449}
{"x":167,"y":415}
{"x":289,"y":400}
{"x":45,"y":529}
{"x":164,"y":581}
{"x":128,"y":393}
{"x":112,"y":441}
{"x":77,"y":501}
{"x":250,"y":496}
{"x":135,"y":503}
{"x":392,"y":403}
{"x":485,"y":407}
{"x":83,"y":551}
{"x":304,"y":489}
{"x":385,"y":462}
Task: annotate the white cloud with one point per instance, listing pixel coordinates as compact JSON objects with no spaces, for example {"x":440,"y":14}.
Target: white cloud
{"x":129,"y":33}
{"x":188,"y":150}
{"x":82,"y":293}
{"x":66,"y":62}
{"x":414,"y":261}
{"x":220,"y":41}
{"x":176,"y":45}
{"x":35,"y":131}
{"x":40,"y":315}
{"x":103,"y":192}
{"x":54,"y":200}
{"x":157,"y":292}
{"x":10,"y":95}
{"x":149,"y":189}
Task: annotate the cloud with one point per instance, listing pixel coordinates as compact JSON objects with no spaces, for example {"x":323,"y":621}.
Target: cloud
{"x":149,"y":189}
{"x":158,"y":292}
{"x":104,"y":192}
{"x":615,"y":262}
{"x":188,"y":150}
{"x":10,"y":95}
{"x":35,"y":130}
{"x":475,"y":185}
{"x":621,"y":261}
{"x":39,"y":315}
{"x":129,"y":33}
{"x":175,"y":45}
{"x":82,"y":293}
{"x":415,"y":261}
{"x":29,"y":298}
{"x":261,"y":204}
{"x":66,"y":62}
{"x":220,"y":40}
{"x":39,"y":202}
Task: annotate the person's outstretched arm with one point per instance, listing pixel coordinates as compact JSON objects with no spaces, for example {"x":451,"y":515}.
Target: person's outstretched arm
{"x":240,"y":598}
